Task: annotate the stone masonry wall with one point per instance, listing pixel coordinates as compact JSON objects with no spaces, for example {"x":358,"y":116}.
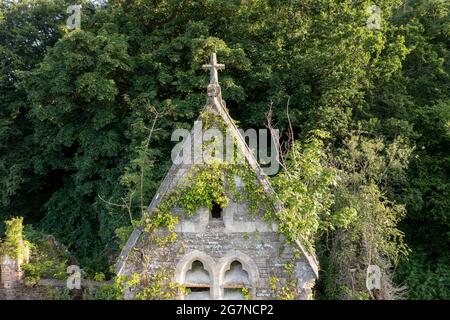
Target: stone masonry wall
{"x":216,"y":243}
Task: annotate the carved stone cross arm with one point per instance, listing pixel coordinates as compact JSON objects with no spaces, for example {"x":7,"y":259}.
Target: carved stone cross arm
{"x":213,"y":67}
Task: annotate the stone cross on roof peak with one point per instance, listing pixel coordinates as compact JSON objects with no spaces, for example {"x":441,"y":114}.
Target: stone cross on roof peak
{"x":213,"y":67}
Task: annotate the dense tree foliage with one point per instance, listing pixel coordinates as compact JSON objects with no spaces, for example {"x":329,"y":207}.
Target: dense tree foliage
{"x":83,"y":112}
{"x":27,"y":30}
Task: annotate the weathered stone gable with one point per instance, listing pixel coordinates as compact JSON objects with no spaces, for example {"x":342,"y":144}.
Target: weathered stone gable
{"x":218,"y":258}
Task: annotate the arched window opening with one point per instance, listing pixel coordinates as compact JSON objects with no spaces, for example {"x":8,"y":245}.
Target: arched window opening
{"x":198,"y":282}
{"x":236,"y":279}
{"x":216,"y":211}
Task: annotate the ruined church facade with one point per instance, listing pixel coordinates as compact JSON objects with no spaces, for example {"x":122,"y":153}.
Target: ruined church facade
{"x":221,"y":253}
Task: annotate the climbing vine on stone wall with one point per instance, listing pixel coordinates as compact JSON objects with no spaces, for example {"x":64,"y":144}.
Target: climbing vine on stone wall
{"x":208,"y":183}
{"x":286,"y":289}
{"x":14,"y":244}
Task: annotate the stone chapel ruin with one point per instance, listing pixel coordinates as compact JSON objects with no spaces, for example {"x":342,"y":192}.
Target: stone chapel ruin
{"x":221,"y":253}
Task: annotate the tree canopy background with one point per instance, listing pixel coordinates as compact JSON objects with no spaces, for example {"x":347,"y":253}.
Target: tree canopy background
{"x":75,"y":107}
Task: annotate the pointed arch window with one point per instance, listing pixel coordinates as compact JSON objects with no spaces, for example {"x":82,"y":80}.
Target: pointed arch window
{"x":198,"y":282}
{"x":234,"y":282}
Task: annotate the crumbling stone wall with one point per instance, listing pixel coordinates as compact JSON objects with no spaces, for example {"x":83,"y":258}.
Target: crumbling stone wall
{"x":11,"y":272}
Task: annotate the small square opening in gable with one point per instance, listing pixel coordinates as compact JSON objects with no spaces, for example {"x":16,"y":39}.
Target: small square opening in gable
{"x":216,"y":211}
